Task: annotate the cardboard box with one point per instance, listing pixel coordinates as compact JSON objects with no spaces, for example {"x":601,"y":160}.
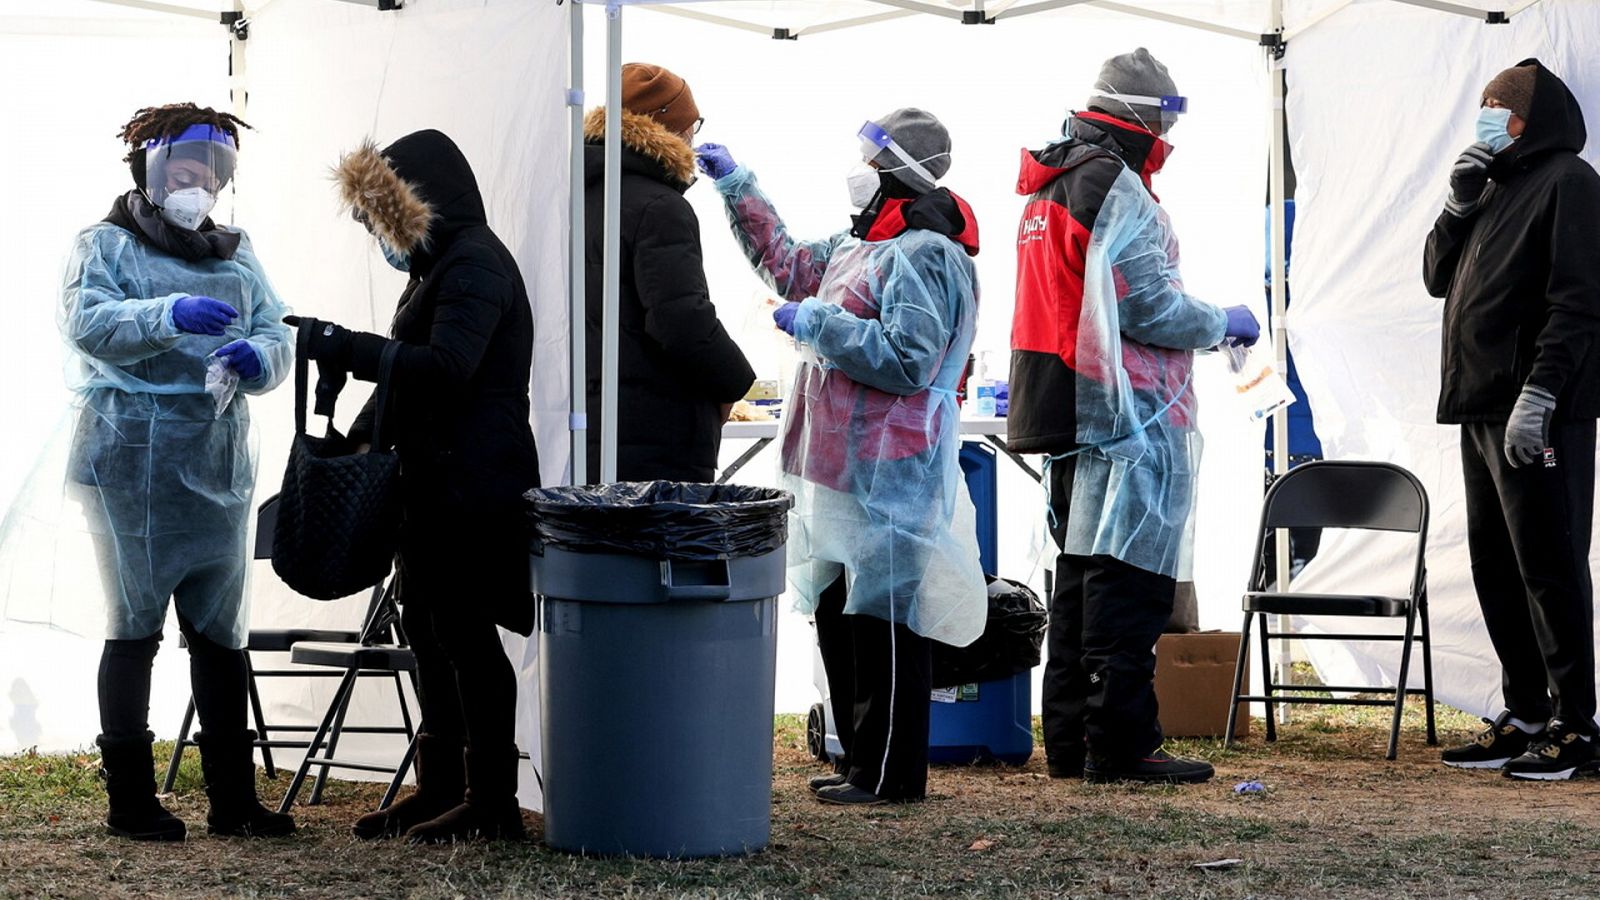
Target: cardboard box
{"x":1194,"y":681}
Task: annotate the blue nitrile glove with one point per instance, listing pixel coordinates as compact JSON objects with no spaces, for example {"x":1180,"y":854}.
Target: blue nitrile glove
{"x":784,"y":315}
{"x":1528,"y":429}
{"x":1242,"y":326}
{"x":241,"y":357}
{"x":715,"y":160}
{"x":202,"y":315}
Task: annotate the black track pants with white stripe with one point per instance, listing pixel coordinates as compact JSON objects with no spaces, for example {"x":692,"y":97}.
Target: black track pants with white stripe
{"x":879,"y":678}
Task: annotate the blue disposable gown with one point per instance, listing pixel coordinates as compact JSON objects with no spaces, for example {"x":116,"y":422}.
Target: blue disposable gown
{"x":165,"y":483}
{"x":871,"y":433}
{"x":1134,"y":484}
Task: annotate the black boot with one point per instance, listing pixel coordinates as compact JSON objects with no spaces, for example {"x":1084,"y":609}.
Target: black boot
{"x":441,"y":787}
{"x":490,"y":812}
{"x":128,"y":767}
{"x":228,"y":763}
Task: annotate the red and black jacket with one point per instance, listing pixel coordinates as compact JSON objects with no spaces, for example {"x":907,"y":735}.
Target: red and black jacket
{"x":1066,"y":185}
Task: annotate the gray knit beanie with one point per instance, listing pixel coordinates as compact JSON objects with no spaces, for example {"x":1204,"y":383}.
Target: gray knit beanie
{"x":1139,"y":74}
{"x":922,"y":136}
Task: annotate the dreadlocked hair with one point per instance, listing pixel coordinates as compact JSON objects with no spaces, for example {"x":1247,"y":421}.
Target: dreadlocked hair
{"x":155,"y":122}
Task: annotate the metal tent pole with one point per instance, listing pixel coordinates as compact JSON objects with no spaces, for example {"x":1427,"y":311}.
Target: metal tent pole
{"x":1280,"y":332}
{"x":613,"y":244}
{"x":577,"y":243}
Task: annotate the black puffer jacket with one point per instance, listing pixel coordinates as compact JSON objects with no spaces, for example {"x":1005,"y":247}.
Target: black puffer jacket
{"x":676,"y":364}
{"x":459,"y":414}
{"x":1521,"y":275}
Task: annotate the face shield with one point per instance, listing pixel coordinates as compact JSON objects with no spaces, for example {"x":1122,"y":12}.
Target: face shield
{"x":874,"y":140}
{"x":202,"y":158}
{"x":1171,"y":107}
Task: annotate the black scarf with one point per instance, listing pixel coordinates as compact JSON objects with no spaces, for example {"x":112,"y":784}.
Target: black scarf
{"x":133,"y":213}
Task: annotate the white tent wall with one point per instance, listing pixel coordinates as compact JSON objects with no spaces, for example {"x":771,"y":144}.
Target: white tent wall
{"x":73,"y":73}
{"x":323,"y":76}
{"x":1382,"y":100}
{"x":790,"y":111}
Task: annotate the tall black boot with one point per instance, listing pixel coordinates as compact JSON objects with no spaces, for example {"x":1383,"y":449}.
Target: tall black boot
{"x":228,"y":763}
{"x":441,"y":787}
{"x":490,"y":813}
{"x":128,"y":766}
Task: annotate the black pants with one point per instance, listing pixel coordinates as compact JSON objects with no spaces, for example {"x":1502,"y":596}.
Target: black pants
{"x":1105,"y":617}
{"x":1528,"y":533}
{"x":879,"y":678}
{"x":466,"y":686}
{"x":216,"y":674}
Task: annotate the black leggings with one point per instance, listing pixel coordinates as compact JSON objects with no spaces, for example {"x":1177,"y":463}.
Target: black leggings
{"x":467,"y":687}
{"x":216,"y":675}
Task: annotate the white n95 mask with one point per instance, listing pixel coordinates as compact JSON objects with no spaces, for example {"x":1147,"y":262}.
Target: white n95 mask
{"x":187,"y":208}
{"x":863,"y":183}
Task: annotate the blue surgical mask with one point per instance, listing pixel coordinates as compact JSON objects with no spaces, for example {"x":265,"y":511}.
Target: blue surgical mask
{"x":401,"y":261}
{"x":1492,"y":124}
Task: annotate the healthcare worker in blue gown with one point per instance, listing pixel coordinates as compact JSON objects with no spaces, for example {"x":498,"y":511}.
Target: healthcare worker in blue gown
{"x":882,"y":546}
{"x":159,"y":300}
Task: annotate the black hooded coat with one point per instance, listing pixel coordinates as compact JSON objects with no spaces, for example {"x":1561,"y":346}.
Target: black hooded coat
{"x":459,"y":411}
{"x":1521,"y":274}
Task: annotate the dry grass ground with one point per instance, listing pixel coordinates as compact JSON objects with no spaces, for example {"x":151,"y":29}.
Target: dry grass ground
{"x":1337,"y":821}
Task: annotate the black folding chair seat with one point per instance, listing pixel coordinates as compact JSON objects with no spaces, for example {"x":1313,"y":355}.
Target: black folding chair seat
{"x":387,"y":658}
{"x":1325,"y":604}
{"x":281,"y":639}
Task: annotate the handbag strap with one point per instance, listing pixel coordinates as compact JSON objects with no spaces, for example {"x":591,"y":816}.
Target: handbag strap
{"x":383,"y":389}
{"x":301,"y":374}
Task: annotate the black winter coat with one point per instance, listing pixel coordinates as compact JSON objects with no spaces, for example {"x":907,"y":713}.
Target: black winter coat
{"x":676,"y":364}
{"x":1521,"y":274}
{"x":459,"y":411}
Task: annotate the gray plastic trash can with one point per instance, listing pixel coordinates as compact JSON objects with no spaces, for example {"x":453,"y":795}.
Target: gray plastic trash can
{"x":656,"y":691}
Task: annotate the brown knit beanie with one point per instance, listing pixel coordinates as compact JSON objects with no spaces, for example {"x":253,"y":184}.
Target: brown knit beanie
{"x":1513,"y":88}
{"x":655,"y":92}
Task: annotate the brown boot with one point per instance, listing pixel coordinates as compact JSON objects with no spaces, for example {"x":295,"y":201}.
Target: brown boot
{"x":490,"y":812}
{"x":441,"y":786}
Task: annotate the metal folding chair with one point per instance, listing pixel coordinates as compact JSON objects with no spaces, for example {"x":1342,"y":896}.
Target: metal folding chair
{"x":1353,"y":495}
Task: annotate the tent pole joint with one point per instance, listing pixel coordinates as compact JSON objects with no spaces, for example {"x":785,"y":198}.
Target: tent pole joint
{"x":237,"y":25}
{"x":976,"y":17}
{"x":1497,"y":17}
{"x":784,"y":34}
{"x":1275,"y":42}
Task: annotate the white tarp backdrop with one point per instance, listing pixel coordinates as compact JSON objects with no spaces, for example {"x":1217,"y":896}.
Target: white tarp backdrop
{"x":1381,"y":101}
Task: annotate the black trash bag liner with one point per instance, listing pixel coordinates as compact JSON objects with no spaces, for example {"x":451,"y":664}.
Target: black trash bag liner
{"x":1010,"y":642}
{"x":661,"y":519}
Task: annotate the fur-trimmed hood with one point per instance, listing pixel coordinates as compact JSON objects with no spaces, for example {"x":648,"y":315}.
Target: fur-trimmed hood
{"x":412,"y":194}
{"x":656,"y":147}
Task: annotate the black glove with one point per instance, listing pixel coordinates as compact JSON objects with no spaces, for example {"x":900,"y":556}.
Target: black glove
{"x":1468,"y":179}
{"x":331,"y":344}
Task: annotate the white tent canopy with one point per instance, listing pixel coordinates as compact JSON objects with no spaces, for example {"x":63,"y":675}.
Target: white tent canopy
{"x":315,"y":76}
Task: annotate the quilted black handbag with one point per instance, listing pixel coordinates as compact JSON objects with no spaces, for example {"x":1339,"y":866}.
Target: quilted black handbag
{"x":339,"y":511}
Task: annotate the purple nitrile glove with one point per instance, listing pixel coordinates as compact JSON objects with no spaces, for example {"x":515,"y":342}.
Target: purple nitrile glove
{"x":202,"y":315}
{"x":784,"y":315}
{"x":715,"y":160}
{"x":242,"y":358}
{"x":1242,"y":325}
